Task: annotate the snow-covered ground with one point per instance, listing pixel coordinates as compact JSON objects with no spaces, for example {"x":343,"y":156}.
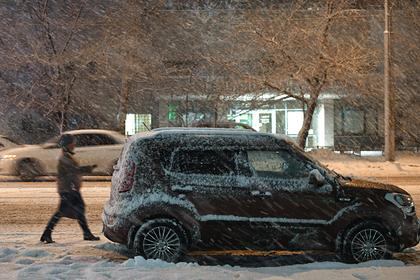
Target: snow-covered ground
{"x":73,"y":259}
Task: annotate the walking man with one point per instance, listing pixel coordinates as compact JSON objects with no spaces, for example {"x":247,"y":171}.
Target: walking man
{"x":69,"y":181}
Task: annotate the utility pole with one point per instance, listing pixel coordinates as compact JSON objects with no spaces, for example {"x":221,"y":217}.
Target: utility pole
{"x":389,"y":104}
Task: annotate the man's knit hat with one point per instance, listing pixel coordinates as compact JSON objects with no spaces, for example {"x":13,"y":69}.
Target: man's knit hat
{"x":66,"y":139}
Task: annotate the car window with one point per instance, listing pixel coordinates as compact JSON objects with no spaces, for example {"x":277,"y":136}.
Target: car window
{"x":276,"y":164}
{"x":204,"y":162}
{"x":83,"y":140}
{"x":104,"y":140}
{"x":53,"y":140}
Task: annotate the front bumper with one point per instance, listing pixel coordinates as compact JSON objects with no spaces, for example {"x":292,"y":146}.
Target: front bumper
{"x":409,"y":235}
{"x":7,"y":167}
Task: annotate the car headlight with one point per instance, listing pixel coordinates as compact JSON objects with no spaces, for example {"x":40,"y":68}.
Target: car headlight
{"x":4,"y":157}
{"x":402,"y":201}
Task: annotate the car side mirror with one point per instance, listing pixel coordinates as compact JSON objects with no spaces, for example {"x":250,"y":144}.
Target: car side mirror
{"x":316,"y":178}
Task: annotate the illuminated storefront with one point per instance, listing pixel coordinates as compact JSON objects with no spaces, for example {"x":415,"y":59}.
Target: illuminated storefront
{"x":286,"y":118}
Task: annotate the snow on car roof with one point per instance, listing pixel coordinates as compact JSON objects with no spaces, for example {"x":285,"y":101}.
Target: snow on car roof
{"x":196,"y":129}
{"x":206,"y":130}
{"x":166,"y":131}
{"x":216,"y":131}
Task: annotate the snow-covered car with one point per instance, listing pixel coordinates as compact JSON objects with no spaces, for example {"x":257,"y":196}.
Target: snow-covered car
{"x":6,"y":143}
{"x":94,"y":146}
{"x":177,"y":189}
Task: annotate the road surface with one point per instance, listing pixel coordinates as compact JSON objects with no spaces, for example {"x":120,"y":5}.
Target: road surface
{"x":26,"y":207}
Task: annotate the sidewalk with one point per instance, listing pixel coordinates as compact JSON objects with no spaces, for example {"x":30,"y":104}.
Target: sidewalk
{"x":406,"y":165}
{"x":7,"y":178}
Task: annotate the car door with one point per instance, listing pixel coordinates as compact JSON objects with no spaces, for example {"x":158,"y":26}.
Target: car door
{"x":48,"y":156}
{"x":293,"y":211}
{"x":208,"y":179}
{"x":97,"y":149}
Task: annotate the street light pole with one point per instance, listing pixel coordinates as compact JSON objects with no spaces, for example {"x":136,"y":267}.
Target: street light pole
{"x":389,"y":121}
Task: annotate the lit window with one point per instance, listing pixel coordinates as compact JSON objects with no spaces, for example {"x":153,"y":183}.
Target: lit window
{"x":135,"y":123}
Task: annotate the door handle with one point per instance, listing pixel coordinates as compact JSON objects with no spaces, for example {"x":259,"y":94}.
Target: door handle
{"x":182,"y":189}
{"x":261,"y":194}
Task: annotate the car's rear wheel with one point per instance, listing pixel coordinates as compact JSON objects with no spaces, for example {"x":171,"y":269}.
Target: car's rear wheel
{"x":161,"y":239}
{"x":366,"y":241}
{"x":28,"y":170}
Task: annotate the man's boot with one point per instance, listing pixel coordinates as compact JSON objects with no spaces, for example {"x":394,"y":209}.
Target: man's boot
{"x":46,"y":236}
{"x":89,"y":236}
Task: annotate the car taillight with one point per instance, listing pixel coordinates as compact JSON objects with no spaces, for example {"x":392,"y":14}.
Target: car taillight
{"x":128,"y":180}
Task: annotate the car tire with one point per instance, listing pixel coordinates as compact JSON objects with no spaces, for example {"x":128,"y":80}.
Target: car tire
{"x":27,"y":170}
{"x":161,"y":239}
{"x":364,"y":242}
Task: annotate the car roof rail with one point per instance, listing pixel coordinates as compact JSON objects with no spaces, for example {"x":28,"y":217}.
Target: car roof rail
{"x":201,"y":129}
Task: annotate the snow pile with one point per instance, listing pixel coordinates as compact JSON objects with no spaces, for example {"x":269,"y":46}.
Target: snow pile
{"x":141,"y":262}
{"x":20,"y":263}
{"x":35,"y":253}
{"x":113,"y":247}
{"x":7,"y":254}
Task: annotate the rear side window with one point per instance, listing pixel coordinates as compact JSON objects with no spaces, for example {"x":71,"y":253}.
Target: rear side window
{"x":204,"y":162}
{"x":276,"y":164}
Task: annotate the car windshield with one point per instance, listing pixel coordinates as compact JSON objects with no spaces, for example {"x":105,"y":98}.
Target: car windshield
{"x":327,"y":170}
{"x":315,"y":162}
{"x":53,"y":140}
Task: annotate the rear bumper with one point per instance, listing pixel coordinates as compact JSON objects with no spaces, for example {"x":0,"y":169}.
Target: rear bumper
{"x":115,"y":229}
{"x":118,"y":236}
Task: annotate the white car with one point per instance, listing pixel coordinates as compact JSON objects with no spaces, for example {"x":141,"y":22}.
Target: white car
{"x":93,"y":146}
{"x":6,"y":143}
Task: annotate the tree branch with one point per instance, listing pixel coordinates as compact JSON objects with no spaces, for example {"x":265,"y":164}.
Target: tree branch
{"x":70,"y":36}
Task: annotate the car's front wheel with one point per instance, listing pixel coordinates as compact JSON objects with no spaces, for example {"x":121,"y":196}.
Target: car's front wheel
{"x":161,"y":239}
{"x":28,"y":170}
{"x":366,"y":241}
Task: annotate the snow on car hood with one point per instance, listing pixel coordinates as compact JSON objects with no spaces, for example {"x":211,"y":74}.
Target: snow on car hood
{"x":364,"y":184}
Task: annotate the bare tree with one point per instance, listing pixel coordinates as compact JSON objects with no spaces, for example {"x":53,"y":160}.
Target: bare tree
{"x":47,"y":49}
{"x":126,"y":50}
{"x":52,"y":50}
{"x":306,"y":48}
{"x":198,"y":41}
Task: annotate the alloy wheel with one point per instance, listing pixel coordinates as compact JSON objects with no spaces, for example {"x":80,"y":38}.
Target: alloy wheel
{"x":163,"y":243}
{"x":368,"y":244}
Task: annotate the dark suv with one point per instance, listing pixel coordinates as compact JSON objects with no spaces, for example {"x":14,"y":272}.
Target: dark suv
{"x":177,"y":189}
